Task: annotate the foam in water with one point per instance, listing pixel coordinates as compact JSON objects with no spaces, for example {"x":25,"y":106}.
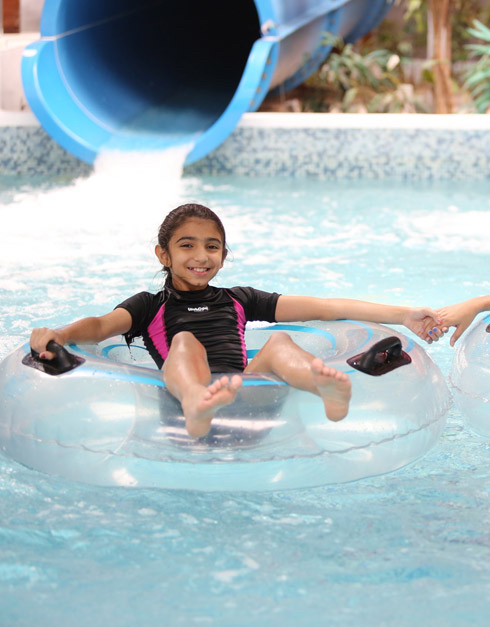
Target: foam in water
{"x":126,"y":196}
{"x":450,"y":229}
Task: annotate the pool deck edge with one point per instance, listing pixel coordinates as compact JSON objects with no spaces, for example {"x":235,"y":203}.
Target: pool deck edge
{"x":296,"y":145}
{"x":420,"y":121}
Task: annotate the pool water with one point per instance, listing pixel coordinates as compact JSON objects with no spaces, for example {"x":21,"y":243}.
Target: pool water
{"x":410,"y":547}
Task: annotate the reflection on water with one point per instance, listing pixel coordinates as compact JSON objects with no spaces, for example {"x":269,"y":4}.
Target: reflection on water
{"x":412,"y":546}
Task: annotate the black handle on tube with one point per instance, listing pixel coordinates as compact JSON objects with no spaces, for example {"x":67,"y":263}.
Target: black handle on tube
{"x":64,"y":361}
{"x":384,"y":356}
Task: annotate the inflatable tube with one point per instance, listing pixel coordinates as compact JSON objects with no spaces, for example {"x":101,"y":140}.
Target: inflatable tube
{"x":470,"y":376}
{"x":142,"y":75}
{"x":108,"y":419}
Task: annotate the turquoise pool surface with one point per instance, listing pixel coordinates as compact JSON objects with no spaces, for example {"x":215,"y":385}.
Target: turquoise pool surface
{"x":407,"y":548}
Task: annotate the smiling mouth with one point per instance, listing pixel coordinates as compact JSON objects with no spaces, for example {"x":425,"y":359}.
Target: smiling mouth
{"x":199,"y":270}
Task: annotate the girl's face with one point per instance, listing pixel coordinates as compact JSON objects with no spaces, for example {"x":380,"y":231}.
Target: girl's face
{"x":195,"y":254}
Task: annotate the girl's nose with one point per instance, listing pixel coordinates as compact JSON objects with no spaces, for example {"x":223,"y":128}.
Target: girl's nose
{"x":200,"y":254}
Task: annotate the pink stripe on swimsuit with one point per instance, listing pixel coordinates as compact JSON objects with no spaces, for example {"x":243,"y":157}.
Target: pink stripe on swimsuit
{"x":242,"y":321}
{"x":158,"y":333}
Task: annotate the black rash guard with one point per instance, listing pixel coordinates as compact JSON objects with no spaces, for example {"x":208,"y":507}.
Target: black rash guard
{"x":215,"y":316}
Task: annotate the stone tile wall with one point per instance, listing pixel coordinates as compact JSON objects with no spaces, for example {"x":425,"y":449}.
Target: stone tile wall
{"x":303,"y":147}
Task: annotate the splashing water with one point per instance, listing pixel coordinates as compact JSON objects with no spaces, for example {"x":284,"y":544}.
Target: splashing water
{"x":126,"y":197}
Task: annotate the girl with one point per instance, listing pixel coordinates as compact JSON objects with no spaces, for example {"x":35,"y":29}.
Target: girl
{"x":192,"y":329}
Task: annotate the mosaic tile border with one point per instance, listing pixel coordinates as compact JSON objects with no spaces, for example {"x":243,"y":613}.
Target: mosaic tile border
{"x":28,"y":150}
{"x":351,"y":154}
{"x":257,"y":149}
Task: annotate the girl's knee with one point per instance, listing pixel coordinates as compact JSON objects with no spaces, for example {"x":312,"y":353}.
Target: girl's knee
{"x":186,"y":342}
{"x":277,"y":339}
{"x":276,"y":342}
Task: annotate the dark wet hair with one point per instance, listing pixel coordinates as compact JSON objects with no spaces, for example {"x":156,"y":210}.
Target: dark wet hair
{"x":178,"y":216}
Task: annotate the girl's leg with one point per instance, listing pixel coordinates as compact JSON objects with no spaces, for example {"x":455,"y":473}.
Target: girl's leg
{"x":186,"y":374}
{"x":281,"y":356}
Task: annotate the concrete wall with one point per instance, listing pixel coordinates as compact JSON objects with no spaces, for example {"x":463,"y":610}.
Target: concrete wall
{"x":11,"y":47}
{"x":30,"y":15}
{"x":12,"y":96}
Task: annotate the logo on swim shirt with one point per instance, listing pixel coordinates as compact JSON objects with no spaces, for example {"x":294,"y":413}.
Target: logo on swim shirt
{"x":205,"y":308}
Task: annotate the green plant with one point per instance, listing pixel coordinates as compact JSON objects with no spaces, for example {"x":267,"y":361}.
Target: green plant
{"x":477,"y":78}
{"x":368,"y":82}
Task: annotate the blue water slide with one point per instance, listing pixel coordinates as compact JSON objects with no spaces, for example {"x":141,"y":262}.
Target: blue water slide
{"x":143,"y":75}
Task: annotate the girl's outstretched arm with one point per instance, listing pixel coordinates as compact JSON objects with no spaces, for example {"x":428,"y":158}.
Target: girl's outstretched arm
{"x":423,"y":321}
{"x":93,"y":329}
{"x":461,"y":315}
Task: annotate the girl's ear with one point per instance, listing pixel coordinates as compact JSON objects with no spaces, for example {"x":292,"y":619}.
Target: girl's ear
{"x":225,"y":254}
{"x":162,"y":255}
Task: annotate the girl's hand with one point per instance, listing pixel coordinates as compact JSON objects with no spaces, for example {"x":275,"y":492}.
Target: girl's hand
{"x":425,"y":323}
{"x":41,"y":336}
{"x":460,"y":316}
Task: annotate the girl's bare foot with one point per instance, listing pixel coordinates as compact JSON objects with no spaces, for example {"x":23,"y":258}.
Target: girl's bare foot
{"x":334,"y":387}
{"x":201,"y":405}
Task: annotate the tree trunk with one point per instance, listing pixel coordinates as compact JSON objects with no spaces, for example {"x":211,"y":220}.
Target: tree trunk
{"x":439,"y":52}
{"x":10,"y":15}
